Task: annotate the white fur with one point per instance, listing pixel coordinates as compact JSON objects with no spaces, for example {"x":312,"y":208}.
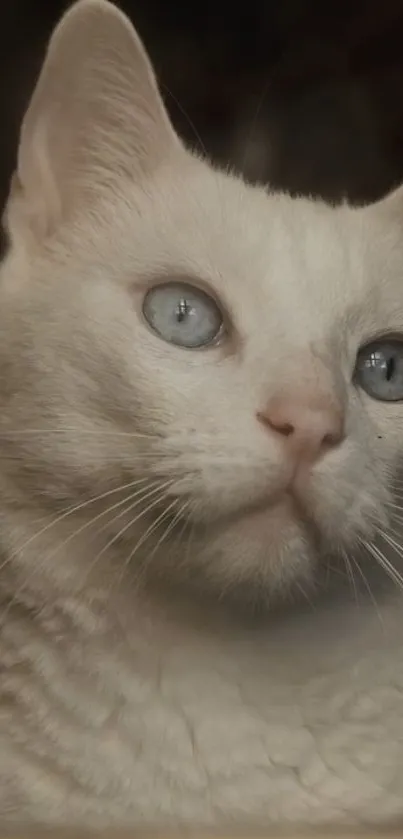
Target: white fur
{"x":135,"y":686}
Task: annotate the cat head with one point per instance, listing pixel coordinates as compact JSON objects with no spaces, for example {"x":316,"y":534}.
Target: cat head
{"x":231,"y":357}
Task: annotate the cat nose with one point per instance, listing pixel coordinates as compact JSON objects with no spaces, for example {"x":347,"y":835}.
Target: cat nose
{"x":308,"y":424}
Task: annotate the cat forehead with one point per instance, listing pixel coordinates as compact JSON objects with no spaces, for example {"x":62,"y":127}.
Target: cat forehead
{"x":268,"y":253}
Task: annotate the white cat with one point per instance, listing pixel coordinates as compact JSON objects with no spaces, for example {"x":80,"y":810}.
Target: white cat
{"x":201,"y":410}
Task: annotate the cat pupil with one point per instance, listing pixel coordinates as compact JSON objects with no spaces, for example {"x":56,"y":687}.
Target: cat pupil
{"x":182,"y":310}
{"x":390,"y":369}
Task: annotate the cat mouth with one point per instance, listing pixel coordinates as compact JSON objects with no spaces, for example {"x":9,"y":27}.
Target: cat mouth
{"x":274,"y":519}
{"x":283,"y":499}
{"x":268,"y":517}
{"x":284,"y":505}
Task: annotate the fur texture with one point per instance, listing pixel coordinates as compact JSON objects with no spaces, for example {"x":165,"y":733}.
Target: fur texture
{"x":154,"y":508}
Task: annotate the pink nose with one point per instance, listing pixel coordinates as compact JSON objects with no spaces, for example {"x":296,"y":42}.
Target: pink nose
{"x":307,"y":423}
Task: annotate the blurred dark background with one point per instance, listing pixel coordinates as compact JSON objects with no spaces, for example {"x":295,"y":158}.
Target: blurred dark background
{"x":304,"y":94}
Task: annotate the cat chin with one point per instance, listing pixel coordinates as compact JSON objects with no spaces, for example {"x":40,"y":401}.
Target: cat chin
{"x":272,"y":547}
{"x":268,"y":522}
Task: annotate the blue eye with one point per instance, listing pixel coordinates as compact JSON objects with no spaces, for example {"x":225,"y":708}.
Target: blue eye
{"x":183,"y":315}
{"x":379,"y":370}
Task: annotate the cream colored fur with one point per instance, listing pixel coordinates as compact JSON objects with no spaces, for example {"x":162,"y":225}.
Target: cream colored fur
{"x":140,"y":519}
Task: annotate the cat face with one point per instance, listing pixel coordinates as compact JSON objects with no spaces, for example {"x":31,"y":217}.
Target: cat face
{"x":233,"y":353}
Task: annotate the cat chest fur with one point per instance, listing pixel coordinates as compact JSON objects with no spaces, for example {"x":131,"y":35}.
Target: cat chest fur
{"x":194,"y":734}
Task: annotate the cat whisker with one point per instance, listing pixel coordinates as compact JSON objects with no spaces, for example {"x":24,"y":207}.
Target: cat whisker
{"x":396,"y":508}
{"x":177,"y":543}
{"x":398,"y":496}
{"x":38,"y":569}
{"x":392,"y":543}
{"x":26,"y":582}
{"x":174,"y":521}
{"x":74,"y":508}
{"x":141,"y":495}
{"x":350,"y":573}
{"x":169,"y":528}
{"x":192,"y":531}
{"x":395,"y":525}
{"x":398,"y":530}
{"x":396,"y":499}
{"x":368,"y":587}
{"x":396,"y":513}
{"x":153,"y":527}
{"x":115,"y":538}
{"x":63,"y":430}
{"x":384,"y":563}
{"x":179,"y":515}
{"x":134,"y":499}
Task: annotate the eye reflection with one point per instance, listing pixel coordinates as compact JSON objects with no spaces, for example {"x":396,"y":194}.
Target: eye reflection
{"x":183,"y":310}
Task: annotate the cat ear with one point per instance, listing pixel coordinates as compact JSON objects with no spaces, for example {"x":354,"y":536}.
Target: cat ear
{"x":96,"y":116}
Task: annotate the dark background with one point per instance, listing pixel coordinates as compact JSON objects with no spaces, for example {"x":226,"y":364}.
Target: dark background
{"x":304,"y":94}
